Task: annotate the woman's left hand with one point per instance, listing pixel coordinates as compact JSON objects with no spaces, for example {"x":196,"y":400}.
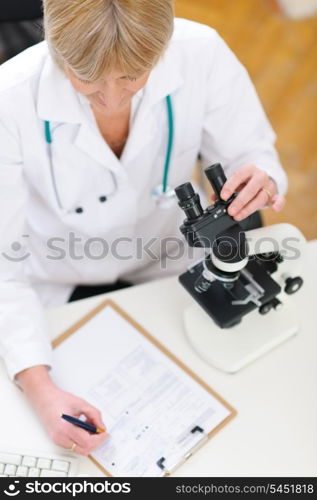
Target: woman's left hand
{"x":256,"y":190}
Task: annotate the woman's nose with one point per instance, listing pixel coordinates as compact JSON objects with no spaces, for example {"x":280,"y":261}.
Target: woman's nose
{"x":111,"y":95}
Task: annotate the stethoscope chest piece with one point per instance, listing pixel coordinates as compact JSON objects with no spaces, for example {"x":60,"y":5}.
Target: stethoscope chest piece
{"x":164,"y":199}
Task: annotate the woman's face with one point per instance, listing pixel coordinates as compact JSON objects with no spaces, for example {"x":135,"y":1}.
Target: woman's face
{"x":110,"y":95}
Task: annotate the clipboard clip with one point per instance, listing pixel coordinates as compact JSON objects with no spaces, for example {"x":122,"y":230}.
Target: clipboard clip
{"x":168,"y":465}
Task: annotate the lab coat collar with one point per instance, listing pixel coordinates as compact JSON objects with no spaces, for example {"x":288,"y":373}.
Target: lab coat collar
{"x":165,"y":78}
{"x":59,"y":102}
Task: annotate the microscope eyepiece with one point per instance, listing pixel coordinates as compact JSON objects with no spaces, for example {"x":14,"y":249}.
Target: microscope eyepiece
{"x":189,"y":201}
{"x":216,"y":177}
{"x":185,"y":191}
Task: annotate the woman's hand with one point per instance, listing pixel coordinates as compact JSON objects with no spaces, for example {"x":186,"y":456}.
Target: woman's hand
{"x":50,"y":402}
{"x":256,"y":190}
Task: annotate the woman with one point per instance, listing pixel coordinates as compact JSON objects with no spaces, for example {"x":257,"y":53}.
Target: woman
{"x":85,"y":121}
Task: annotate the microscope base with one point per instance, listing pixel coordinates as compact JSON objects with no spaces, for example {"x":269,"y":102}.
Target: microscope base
{"x":231,"y":349}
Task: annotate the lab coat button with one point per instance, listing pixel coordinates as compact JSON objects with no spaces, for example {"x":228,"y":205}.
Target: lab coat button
{"x":102,"y":199}
{"x":79,"y":210}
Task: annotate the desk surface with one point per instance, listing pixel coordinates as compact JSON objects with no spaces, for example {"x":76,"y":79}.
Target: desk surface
{"x":275,"y":432}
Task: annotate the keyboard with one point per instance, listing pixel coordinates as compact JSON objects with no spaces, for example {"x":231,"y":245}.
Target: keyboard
{"x":29,"y":463}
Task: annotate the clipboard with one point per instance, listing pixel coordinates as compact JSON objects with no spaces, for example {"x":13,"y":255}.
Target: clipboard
{"x":193,"y":437}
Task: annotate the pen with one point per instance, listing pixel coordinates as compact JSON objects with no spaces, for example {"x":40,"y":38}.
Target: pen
{"x":83,"y":425}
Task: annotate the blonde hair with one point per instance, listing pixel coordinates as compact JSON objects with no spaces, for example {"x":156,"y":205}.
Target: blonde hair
{"x":95,"y":37}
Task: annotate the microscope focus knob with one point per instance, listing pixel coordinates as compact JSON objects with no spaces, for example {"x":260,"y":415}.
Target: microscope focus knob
{"x":265,"y":308}
{"x":293,"y":284}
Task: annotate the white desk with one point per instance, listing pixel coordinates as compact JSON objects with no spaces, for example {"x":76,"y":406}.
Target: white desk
{"x":275,"y":432}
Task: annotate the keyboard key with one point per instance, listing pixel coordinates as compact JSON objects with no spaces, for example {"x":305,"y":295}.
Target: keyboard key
{"x":60,"y":465}
{"x":10,"y":458}
{"x":29,"y":461}
{"x":52,"y":473}
{"x":25,"y":463}
{"x":43,"y":463}
{"x":22,"y":471}
{"x":34,"y":472}
{"x":10,"y":469}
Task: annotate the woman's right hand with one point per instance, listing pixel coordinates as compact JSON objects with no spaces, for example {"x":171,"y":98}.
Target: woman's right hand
{"x":50,"y":402}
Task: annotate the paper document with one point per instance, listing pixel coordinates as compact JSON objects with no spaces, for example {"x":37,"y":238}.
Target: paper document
{"x":155,"y":412}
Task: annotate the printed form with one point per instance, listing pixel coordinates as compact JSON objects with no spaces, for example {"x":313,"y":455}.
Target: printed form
{"x":155,"y":412}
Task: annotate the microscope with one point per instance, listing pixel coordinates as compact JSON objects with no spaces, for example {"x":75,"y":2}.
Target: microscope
{"x":243,"y":283}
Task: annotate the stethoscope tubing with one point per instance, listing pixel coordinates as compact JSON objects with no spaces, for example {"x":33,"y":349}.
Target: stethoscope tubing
{"x":169,"y":142}
{"x":48,"y":137}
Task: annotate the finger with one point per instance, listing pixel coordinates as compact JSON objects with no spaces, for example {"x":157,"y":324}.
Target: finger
{"x":240,"y":176}
{"x":255,"y":204}
{"x":86,"y":441}
{"x":77,"y":449}
{"x":63,"y":440}
{"x":94,"y":416}
{"x":78,"y":435}
{"x":278,"y":202}
{"x":248,"y":192}
{"x":97,"y":440}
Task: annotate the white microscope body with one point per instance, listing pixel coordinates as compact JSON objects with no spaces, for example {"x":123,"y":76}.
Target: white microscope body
{"x":231,"y":349}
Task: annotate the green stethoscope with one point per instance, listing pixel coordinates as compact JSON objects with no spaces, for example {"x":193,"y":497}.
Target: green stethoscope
{"x":163,"y":194}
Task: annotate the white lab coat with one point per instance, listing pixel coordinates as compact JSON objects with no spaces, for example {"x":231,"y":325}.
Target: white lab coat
{"x":216,"y":113}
